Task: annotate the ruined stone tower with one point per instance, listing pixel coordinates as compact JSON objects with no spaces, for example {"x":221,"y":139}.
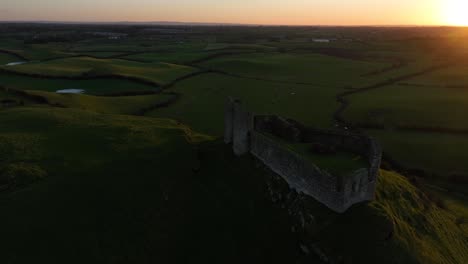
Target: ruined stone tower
{"x":248,"y":133}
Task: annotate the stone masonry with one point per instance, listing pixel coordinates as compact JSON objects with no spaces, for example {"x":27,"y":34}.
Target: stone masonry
{"x":248,"y":132}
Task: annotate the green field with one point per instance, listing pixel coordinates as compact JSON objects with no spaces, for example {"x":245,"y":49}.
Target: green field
{"x":313,"y":69}
{"x":204,"y":97}
{"x":134,"y":170}
{"x":435,"y":152}
{"x":158,"y":73}
{"x":450,"y":77}
{"x":128,"y":105}
{"x":411,"y":106}
{"x":95,"y":87}
{"x":7,"y":58}
{"x":35,"y":52}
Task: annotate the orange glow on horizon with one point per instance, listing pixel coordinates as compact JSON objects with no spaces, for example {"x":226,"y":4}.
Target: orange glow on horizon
{"x":272,"y":12}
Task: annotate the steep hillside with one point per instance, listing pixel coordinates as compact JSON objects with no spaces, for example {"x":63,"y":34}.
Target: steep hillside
{"x":401,"y":226}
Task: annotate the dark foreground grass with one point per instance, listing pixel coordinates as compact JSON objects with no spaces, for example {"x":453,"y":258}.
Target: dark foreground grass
{"x":122,"y":189}
{"x":131,"y":190}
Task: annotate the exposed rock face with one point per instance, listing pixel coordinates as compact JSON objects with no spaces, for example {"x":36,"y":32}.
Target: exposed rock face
{"x":246,"y":132}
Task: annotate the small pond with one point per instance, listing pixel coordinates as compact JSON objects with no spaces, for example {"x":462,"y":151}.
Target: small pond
{"x":70,"y":91}
{"x":15,"y":63}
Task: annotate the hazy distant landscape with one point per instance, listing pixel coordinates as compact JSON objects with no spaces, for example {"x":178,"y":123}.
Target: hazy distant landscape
{"x":111,"y":142}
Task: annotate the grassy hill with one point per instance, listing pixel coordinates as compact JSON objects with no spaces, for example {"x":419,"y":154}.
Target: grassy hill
{"x":158,"y":72}
{"x":109,"y":105}
{"x":90,"y":181}
{"x":423,"y":232}
{"x":79,"y":186}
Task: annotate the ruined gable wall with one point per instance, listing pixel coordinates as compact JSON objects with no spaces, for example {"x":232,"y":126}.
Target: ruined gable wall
{"x":299,"y":173}
{"x":245,"y":131}
{"x":242,"y":125}
{"x":228,"y":121}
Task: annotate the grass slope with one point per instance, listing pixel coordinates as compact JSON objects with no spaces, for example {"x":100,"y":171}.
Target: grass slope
{"x":423,"y":233}
{"x":109,"y":105}
{"x":158,"y":73}
{"x":133,"y":189}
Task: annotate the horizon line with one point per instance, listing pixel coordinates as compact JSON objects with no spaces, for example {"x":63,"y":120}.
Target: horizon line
{"x":225,"y":23}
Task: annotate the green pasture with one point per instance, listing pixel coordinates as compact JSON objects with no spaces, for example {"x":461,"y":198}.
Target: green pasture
{"x":36,"y":52}
{"x":135,"y":45}
{"x":179,"y":57}
{"x":44,"y":51}
{"x":9,"y":43}
{"x":99,"y":45}
{"x":158,"y":73}
{"x":6,"y":95}
{"x":447,"y":77}
{"x":313,"y":69}
{"x":111,"y":105}
{"x":95,"y":86}
{"x":100,"y":54}
{"x":435,"y":152}
{"x":410,"y":106}
{"x":7,"y":58}
{"x":231,"y":46}
{"x":203,"y":99}
{"x":171,"y":57}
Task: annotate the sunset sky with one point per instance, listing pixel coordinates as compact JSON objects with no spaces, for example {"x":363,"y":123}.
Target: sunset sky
{"x":290,"y":12}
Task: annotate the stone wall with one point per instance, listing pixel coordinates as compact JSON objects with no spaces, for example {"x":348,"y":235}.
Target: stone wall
{"x":228,"y":120}
{"x":301,"y":175}
{"x":242,"y":125}
{"x":248,"y":133}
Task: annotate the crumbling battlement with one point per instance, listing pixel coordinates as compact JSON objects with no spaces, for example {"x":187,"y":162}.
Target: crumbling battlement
{"x":248,"y":133}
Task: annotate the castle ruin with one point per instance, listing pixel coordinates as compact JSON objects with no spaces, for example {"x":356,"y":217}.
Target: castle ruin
{"x":249,"y":133}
